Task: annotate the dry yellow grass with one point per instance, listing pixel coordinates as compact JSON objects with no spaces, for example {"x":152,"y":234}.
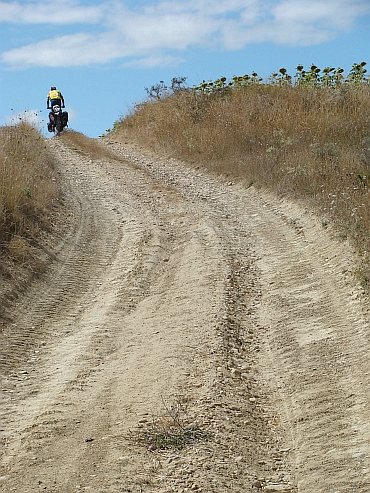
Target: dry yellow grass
{"x":27,"y":186}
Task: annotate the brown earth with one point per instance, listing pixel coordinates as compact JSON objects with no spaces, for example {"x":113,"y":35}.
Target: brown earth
{"x":172,"y":298}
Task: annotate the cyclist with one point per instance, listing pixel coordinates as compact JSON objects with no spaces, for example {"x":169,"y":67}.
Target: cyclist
{"x":54,"y":98}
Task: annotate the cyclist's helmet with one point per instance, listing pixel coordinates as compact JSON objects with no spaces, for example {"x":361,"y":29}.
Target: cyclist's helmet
{"x":52,"y":88}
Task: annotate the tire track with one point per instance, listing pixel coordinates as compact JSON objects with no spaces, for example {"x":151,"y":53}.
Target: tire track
{"x":317,"y":344}
{"x":65,"y":328}
{"x":69,"y":277}
{"x":110,"y":347}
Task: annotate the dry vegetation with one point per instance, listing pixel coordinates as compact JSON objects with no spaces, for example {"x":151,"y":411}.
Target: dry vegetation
{"x":308,"y":140}
{"x":27,"y":188}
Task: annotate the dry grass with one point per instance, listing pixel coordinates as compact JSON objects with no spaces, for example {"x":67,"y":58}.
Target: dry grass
{"x":310,"y":143}
{"x":27,"y":187}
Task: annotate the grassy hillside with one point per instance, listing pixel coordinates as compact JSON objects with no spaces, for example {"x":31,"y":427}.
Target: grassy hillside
{"x":305,"y":137}
{"x":27,"y":189}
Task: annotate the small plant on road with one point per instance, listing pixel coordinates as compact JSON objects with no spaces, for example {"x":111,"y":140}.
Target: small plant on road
{"x":169,"y":430}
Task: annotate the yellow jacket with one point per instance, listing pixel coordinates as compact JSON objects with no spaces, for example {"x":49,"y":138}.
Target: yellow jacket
{"x":55,"y":94}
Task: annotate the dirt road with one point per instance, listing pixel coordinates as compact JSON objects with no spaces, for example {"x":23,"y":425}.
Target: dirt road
{"x":175,"y":295}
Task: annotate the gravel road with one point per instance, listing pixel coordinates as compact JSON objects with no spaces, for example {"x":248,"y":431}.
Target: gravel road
{"x":177,"y":306}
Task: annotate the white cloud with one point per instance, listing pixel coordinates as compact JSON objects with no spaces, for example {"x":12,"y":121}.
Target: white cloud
{"x":332,"y":14}
{"x":70,"y":50}
{"x":112,"y":31}
{"x":294,"y":22}
{"x":153,"y":32}
{"x":63,"y":12}
{"x":155,"y":61}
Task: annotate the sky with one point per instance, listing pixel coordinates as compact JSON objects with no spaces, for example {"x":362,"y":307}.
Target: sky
{"x":103,"y":54}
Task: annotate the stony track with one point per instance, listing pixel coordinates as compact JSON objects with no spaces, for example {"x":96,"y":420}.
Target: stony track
{"x":170,"y":293}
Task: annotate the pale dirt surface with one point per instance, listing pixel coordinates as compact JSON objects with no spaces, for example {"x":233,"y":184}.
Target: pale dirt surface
{"x":168,"y":287}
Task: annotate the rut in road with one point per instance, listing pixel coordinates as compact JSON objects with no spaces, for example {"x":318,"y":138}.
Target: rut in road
{"x":171,"y":286}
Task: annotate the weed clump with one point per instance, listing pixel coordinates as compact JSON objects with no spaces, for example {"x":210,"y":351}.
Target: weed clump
{"x":169,"y":430}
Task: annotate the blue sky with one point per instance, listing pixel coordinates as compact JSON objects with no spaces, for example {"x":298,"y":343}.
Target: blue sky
{"x":102,"y":54}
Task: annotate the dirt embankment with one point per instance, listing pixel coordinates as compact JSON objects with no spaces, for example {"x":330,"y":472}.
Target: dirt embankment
{"x":174,"y":299}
